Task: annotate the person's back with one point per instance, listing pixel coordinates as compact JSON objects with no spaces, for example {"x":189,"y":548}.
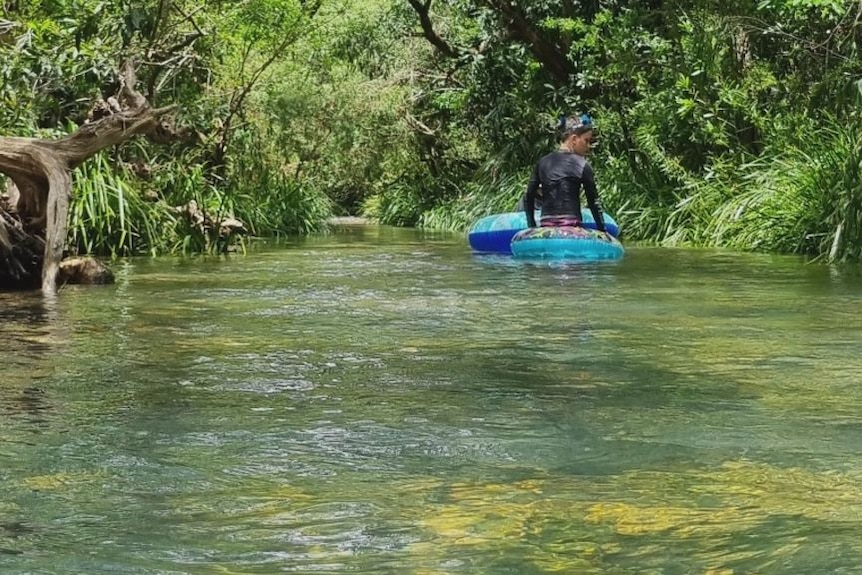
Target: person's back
{"x":522,"y":203}
{"x":561,"y":175}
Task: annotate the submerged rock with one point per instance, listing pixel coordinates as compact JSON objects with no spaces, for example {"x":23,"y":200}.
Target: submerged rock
{"x":84,"y":270}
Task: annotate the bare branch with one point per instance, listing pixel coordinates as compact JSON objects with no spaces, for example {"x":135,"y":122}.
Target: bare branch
{"x":190,"y":18}
{"x":128,"y":92}
{"x":419,"y":126}
{"x":166,"y":55}
{"x":422,"y":9}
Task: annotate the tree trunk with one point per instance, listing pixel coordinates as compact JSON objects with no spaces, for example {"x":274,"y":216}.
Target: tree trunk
{"x":552,"y":55}
{"x":41,"y":171}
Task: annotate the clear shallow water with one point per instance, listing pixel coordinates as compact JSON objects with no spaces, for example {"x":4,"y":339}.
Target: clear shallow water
{"x":381,"y":401}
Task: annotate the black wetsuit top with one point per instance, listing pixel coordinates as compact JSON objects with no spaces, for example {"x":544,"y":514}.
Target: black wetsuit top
{"x":561,"y":175}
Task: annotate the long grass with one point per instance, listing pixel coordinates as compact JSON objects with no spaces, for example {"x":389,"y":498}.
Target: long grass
{"x":271,"y":202}
{"x":108,"y":216}
{"x":490,"y":193}
{"x":801,"y":195}
{"x":114,"y":213}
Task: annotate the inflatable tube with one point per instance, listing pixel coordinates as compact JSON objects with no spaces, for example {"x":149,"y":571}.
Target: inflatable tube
{"x":566,"y":242}
{"x":494,"y":233}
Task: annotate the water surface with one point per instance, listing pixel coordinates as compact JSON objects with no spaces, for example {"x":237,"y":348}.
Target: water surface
{"x":381,"y":401}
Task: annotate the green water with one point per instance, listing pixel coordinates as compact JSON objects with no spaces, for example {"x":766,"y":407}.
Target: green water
{"x":380,"y":401}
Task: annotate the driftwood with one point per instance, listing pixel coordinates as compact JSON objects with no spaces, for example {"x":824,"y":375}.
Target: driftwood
{"x":20,"y":253}
{"x":41,"y":172}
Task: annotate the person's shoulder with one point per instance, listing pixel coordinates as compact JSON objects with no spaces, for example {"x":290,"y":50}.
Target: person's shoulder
{"x":546,"y":158}
{"x":555,"y":156}
{"x":576,"y":159}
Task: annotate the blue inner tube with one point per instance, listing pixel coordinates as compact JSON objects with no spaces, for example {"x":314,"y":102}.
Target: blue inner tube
{"x":494,"y":233}
{"x":566,"y":242}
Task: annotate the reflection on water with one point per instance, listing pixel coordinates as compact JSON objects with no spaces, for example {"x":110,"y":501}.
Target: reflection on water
{"x":382,"y":401}
{"x":27,"y":321}
{"x":30,"y":333}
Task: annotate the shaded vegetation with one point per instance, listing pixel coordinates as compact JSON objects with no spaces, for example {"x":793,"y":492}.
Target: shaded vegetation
{"x":728,"y":125}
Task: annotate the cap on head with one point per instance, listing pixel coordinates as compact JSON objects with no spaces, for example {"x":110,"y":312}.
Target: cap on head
{"x":574,"y":125}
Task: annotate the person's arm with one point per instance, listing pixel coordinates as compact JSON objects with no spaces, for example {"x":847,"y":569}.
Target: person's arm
{"x":589,"y":182}
{"x":530,"y":202}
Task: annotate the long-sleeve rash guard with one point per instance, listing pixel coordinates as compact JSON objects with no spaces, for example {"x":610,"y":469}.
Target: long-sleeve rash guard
{"x":561,"y":175}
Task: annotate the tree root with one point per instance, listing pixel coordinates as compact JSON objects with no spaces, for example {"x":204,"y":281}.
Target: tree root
{"x":41,"y":170}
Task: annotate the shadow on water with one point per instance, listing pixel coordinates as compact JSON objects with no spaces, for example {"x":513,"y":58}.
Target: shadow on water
{"x":34,"y":342}
{"x":33,"y":338}
{"x":28,"y":320}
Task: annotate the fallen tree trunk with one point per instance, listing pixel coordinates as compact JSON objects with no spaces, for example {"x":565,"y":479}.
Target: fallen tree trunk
{"x":41,"y":171}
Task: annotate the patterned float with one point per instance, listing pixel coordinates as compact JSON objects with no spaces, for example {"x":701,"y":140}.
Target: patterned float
{"x":493,"y":234}
{"x":566,"y":242}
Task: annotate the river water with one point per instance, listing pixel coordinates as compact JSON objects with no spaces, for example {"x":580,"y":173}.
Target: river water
{"x":381,"y":401}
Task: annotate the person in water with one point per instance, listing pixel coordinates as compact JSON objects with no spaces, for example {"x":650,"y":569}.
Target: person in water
{"x":562,"y":174}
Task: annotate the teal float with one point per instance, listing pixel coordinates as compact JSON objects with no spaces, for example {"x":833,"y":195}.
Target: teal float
{"x":566,"y":242}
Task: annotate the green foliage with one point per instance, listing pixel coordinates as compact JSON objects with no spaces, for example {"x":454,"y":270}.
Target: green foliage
{"x":109,"y":216}
{"x":265,"y":20}
{"x":264,"y":193}
{"x":485,"y":195}
{"x":48,"y":59}
{"x":731,"y":124}
{"x":57,"y":58}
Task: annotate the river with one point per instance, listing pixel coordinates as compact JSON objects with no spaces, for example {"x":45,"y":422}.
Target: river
{"x":380,"y":401}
